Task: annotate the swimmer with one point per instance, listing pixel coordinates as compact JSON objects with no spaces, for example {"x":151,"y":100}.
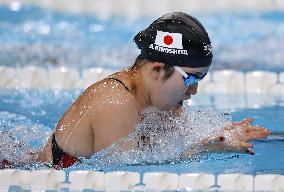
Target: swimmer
{"x":176,"y":54}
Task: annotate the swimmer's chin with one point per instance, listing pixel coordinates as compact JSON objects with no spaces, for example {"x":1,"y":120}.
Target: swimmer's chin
{"x":170,"y":108}
{"x":179,"y":105}
{"x":177,"y":111}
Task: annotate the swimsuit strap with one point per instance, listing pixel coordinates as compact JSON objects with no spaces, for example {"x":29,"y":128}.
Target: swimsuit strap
{"x":119,"y":82}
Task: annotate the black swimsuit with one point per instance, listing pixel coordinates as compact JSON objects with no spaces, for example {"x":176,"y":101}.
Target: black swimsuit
{"x":61,"y":159}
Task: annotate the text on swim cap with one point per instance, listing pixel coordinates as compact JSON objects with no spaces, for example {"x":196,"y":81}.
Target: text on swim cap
{"x":168,"y":50}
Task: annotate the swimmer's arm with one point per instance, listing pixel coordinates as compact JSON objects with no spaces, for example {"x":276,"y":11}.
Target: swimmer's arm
{"x":114,"y":124}
{"x":44,"y":155}
{"x":113,"y":121}
{"x":235,"y":138}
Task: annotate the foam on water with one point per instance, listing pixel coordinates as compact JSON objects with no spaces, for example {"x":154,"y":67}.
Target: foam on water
{"x":20,"y":137}
{"x":161,"y":137}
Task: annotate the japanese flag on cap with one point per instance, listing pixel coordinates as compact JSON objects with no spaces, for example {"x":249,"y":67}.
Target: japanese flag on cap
{"x":170,"y":40}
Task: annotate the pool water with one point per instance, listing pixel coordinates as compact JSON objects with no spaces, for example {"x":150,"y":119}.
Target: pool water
{"x":30,"y":116}
{"x":35,"y":36}
{"x":241,"y":40}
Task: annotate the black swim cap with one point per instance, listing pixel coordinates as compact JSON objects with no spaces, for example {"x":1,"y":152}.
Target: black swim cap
{"x":176,"y":39}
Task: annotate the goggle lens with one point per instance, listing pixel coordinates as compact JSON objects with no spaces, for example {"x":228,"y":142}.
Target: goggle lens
{"x":192,"y":79}
{"x":189,"y":78}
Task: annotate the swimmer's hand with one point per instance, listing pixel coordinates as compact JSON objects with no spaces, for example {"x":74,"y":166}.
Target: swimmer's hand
{"x":236,"y":138}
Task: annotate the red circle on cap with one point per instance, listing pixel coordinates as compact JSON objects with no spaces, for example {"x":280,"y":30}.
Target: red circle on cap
{"x":168,"y":40}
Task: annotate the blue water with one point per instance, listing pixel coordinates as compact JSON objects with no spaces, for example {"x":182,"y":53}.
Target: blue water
{"x":42,"y":109}
{"x":241,"y":40}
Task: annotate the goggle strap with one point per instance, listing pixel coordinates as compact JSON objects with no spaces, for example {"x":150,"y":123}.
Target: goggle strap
{"x":181,"y":71}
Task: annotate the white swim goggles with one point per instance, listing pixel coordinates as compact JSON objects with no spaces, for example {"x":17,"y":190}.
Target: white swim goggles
{"x":189,"y":78}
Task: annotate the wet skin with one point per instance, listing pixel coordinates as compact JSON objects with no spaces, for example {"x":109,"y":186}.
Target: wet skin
{"x":105,"y":112}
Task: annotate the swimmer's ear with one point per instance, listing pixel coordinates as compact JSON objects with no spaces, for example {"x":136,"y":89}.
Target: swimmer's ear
{"x":157,"y":69}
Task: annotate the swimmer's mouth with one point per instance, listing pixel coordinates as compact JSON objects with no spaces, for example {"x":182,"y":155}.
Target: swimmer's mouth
{"x":180,"y":104}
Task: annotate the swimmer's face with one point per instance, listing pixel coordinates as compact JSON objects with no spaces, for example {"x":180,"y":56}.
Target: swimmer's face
{"x":173,"y":90}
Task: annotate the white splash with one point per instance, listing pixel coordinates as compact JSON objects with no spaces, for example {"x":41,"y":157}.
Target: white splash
{"x":161,"y":137}
{"x":20,"y":137}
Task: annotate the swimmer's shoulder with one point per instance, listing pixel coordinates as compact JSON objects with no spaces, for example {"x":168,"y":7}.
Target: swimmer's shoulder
{"x":117,"y":83}
{"x":113,"y":89}
{"x":116,"y":114}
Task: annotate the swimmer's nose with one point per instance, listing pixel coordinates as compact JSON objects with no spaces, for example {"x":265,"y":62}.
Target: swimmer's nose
{"x":192,"y":89}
